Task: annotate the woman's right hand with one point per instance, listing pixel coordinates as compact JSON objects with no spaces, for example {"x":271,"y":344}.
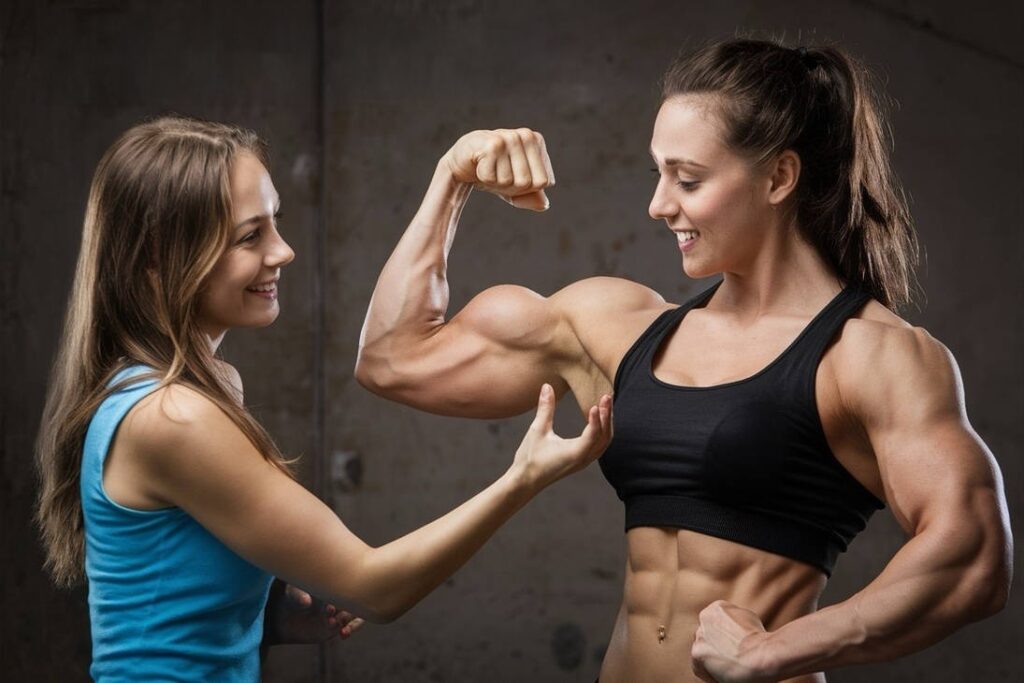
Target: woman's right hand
{"x":512,"y":164}
{"x":544,"y":457}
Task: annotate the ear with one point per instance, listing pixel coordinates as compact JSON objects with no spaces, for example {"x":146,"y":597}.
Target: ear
{"x":785,"y":172}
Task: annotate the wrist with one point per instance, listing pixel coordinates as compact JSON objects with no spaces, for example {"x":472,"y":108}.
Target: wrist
{"x":445,"y":170}
{"x":764,"y":657}
{"x":520,"y":484}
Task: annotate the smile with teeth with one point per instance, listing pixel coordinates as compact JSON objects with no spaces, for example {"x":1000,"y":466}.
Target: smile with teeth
{"x":686,"y":235}
{"x":269,"y":287}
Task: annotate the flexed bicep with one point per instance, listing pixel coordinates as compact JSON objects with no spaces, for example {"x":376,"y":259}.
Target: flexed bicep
{"x":488,"y":361}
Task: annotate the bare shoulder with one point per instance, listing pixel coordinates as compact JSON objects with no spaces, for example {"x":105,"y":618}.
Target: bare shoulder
{"x":606,"y":315}
{"x":604,"y":295}
{"x":589,"y":305}
{"x":174,"y":422}
{"x":884,"y":364}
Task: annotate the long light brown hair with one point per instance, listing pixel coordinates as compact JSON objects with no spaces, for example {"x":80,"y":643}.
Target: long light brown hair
{"x":157,"y":221}
{"x":823,"y":104}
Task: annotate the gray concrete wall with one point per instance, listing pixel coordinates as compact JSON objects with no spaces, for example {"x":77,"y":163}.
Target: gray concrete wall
{"x":386,"y":87}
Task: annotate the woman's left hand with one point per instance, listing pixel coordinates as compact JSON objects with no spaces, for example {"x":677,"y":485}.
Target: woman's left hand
{"x":296,"y":617}
{"x":729,"y":645}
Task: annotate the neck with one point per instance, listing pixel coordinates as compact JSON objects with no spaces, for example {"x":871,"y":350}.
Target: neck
{"x":787,"y":275}
{"x":215,"y":337}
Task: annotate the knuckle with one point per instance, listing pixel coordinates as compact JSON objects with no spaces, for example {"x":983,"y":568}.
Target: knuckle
{"x":495,"y":145}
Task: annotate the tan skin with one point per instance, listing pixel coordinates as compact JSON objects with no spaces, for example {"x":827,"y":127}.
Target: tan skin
{"x":177,"y":448}
{"x":889,"y":397}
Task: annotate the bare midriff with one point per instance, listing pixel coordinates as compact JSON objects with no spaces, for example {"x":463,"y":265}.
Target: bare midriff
{"x":673,"y":574}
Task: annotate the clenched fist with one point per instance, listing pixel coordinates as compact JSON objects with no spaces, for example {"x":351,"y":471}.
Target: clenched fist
{"x":512,"y":164}
{"x":729,"y":646}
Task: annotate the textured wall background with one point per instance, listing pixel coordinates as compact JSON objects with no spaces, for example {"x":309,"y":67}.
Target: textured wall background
{"x":358,"y":100}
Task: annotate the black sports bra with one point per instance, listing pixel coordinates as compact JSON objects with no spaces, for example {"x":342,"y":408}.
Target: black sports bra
{"x":745,"y":461}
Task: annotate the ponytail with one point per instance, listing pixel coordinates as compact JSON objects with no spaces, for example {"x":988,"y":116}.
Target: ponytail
{"x":820,"y":103}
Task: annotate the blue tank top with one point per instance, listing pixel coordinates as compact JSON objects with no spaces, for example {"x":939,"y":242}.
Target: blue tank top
{"x":167,"y":600}
{"x":746,"y":461}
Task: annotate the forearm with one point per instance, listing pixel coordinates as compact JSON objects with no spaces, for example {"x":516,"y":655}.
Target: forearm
{"x":932,"y":586}
{"x":411,"y":295}
{"x":396,"y":576}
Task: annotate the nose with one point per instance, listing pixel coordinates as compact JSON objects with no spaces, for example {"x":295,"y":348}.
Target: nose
{"x":279,"y":254}
{"x":663,"y":205}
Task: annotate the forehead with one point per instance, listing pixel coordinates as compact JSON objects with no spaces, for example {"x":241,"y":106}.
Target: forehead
{"x":252,"y":190}
{"x":688,"y":127}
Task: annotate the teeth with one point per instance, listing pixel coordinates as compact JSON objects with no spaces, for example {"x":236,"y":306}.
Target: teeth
{"x":685,"y":235}
{"x":264,"y":288}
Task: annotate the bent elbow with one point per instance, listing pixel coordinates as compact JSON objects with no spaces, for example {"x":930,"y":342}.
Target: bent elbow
{"x":373,"y":373}
{"x":990,"y":592}
{"x":998,"y":595}
{"x":386,"y":611}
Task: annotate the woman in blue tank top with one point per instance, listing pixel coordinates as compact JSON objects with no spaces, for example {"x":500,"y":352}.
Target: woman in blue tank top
{"x":157,"y":483}
{"x":761,"y":422}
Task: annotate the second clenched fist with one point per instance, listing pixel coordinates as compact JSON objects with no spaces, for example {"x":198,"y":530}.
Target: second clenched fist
{"x":513,"y":164}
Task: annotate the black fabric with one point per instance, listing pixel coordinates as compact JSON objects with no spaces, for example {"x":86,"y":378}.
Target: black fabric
{"x":746,"y":461}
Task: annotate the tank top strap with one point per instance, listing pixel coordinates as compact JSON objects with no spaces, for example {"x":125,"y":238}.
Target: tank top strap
{"x":127,"y":387}
{"x":821,"y":332}
{"x":650,"y":339}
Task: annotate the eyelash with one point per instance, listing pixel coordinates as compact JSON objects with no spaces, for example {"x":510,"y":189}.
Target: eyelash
{"x":687,"y":185}
{"x":255,"y":233}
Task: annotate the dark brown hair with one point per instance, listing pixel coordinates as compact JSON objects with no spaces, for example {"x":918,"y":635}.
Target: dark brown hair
{"x":156,"y":223}
{"x":820,"y":103}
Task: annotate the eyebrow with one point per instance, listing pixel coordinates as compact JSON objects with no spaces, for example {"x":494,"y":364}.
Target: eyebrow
{"x":254,"y":219}
{"x":678,"y":162}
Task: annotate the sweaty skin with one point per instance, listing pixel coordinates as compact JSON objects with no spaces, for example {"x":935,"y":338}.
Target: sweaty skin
{"x":889,"y":397}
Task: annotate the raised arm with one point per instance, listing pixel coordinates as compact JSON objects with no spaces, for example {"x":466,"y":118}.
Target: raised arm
{"x":944,"y":488}
{"x":195,"y":458}
{"x":489,"y":359}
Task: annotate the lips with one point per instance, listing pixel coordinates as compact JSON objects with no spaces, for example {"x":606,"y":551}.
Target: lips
{"x":267,"y":290}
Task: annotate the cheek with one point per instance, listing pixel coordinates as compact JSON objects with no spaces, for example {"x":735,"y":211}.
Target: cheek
{"x":721,"y":208}
{"x":224,"y":286}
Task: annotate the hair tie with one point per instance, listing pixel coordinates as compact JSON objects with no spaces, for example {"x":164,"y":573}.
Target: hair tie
{"x":808,"y":60}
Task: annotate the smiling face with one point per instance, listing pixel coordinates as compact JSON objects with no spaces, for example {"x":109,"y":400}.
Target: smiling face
{"x":719,"y":205}
{"x":241,"y":291}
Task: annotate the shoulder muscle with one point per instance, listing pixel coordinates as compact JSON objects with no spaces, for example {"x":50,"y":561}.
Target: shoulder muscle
{"x":892,"y":372}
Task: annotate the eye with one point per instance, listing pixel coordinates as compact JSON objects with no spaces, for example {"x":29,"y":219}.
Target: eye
{"x":688,"y":185}
{"x":249,"y":237}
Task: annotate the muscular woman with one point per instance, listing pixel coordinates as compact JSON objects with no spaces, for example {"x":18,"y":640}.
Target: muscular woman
{"x":758,"y":425}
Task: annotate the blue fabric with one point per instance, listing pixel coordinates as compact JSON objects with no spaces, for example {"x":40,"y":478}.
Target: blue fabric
{"x":167,"y":600}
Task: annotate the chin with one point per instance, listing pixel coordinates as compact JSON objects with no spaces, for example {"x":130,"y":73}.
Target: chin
{"x":697,"y":270}
{"x":264,"y":320}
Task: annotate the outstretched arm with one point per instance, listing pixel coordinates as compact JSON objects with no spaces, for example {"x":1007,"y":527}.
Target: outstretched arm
{"x":946,"y":491}
{"x":197,"y":459}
